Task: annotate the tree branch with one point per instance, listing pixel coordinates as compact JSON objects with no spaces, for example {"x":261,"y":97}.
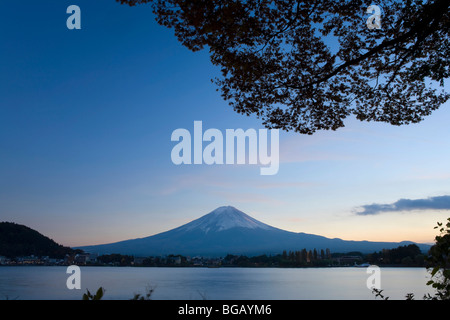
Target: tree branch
{"x":420,"y":30}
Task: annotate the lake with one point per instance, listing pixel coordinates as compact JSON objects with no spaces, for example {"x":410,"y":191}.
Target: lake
{"x":121,"y":283}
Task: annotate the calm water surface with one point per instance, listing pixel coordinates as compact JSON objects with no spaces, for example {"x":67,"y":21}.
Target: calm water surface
{"x":49,"y":283}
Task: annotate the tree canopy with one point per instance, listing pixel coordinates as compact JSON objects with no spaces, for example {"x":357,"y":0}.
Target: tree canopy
{"x":440,"y":263}
{"x":305,"y":66}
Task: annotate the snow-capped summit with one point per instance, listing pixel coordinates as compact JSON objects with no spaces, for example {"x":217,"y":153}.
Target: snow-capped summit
{"x":227,"y":230}
{"x":224,"y":218}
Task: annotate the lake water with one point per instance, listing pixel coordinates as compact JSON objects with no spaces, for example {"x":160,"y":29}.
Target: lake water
{"x":121,"y":283}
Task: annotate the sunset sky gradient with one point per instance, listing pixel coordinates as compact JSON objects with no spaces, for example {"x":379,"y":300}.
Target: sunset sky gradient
{"x":86,"y":118}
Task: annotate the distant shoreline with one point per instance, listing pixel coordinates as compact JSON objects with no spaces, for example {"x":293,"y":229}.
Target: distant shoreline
{"x":222,"y":267}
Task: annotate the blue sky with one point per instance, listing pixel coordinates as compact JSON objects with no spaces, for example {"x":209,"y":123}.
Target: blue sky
{"x":86,"y":118}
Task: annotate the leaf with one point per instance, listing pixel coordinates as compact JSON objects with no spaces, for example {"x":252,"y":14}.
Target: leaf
{"x":99,"y":293}
{"x":434,"y":271}
{"x":446,"y":273}
{"x":87,"y":296}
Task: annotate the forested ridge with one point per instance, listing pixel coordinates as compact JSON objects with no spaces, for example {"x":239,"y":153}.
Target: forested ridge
{"x":19,"y":240}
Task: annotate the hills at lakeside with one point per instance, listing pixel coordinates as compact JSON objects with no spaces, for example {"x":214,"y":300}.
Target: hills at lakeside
{"x":228,"y":230}
{"x":18,"y":240}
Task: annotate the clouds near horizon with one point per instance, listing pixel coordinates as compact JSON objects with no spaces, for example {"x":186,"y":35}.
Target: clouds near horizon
{"x":432,"y":203}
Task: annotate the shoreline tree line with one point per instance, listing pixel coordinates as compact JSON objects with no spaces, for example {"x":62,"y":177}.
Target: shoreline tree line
{"x":406,"y":256}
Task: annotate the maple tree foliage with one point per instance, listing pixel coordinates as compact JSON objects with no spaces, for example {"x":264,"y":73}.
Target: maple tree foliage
{"x":308,"y":65}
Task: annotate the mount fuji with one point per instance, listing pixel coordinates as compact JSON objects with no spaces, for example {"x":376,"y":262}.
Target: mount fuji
{"x":228,"y":230}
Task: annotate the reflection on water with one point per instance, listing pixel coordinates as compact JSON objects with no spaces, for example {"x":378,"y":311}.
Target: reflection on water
{"x":49,"y":283}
